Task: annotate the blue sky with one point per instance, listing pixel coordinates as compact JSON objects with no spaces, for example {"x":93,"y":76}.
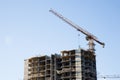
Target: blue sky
{"x":27,"y":29}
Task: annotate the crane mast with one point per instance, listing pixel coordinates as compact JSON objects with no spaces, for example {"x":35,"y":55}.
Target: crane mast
{"x":90,"y":37}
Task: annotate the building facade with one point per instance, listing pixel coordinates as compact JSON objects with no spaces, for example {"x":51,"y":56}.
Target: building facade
{"x":69,"y":65}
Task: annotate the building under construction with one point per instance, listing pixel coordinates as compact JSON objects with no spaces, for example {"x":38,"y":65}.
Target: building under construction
{"x":76,"y":64}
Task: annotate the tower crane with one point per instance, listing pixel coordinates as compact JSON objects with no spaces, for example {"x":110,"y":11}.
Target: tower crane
{"x":109,"y":76}
{"x":89,"y":37}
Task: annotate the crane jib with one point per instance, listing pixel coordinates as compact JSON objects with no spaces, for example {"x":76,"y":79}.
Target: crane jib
{"x":89,"y":35}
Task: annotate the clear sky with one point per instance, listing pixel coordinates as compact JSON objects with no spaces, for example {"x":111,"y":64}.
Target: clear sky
{"x":27,"y":29}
